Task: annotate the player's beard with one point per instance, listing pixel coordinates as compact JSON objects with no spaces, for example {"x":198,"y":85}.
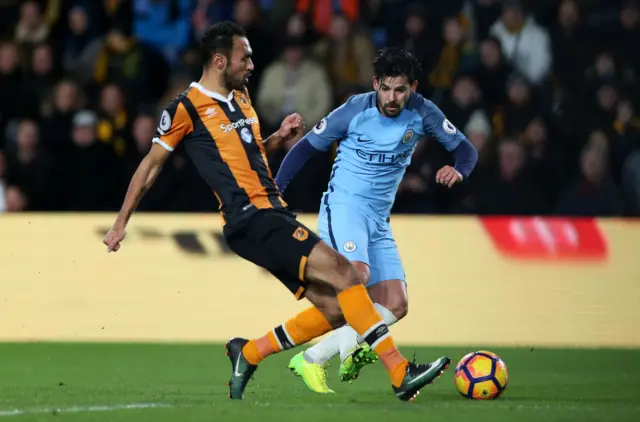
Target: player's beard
{"x":237,"y":82}
{"x":389,"y":113}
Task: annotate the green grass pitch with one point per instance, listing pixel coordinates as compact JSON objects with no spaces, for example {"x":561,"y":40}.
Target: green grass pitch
{"x":92,"y":382}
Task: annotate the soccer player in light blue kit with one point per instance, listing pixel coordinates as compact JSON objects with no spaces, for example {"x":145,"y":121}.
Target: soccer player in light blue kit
{"x":376,"y":133}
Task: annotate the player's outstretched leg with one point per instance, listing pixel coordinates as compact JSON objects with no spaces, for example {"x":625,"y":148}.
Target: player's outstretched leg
{"x":331,"y":268}
{"x":245,"y":355}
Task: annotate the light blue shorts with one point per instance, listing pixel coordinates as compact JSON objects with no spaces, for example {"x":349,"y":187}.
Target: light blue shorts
{"x":355,"y":233}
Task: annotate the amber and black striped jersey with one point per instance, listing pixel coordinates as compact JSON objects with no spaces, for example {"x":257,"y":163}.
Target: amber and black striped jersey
{"x":222,"y":138}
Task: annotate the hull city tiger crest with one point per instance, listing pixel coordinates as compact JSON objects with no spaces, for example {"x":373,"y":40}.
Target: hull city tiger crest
{"x":300,"y":234}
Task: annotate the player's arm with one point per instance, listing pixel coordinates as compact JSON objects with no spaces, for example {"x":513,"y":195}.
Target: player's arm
{"x":291,"y":129}
{"x":465,"y":154}
{"x":330,"y":129}
{"x":141,"y":182}
{"x":174,"y":125}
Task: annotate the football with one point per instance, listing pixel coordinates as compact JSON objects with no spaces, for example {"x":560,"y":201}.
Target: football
{"x":481,"y":375}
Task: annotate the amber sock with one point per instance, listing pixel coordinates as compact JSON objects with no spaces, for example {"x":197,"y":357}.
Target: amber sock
{"x":300,"y":329}
{"x":359,"y":312}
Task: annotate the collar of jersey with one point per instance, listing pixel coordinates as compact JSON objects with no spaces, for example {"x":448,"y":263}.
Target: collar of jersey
{"x":212,"y":94}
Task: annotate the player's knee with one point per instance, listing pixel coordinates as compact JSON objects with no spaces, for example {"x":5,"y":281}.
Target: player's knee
{"x":363,"y":271}
{"x":336,"y":319}
{"x":332,"y":312}
{"x":398,"y":307}
{"x":401,"y":310}
{"x":346,"y":275}
{"x":328,"y":267}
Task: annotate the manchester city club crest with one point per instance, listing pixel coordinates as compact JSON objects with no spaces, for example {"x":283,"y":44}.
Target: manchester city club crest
{"x":408,"y":136}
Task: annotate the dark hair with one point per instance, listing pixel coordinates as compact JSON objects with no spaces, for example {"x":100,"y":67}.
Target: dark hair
{"x":219,"y":39}
{"x":394,"y":62}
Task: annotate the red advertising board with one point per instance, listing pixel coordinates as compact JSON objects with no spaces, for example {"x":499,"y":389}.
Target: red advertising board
{"x":547,"y":238}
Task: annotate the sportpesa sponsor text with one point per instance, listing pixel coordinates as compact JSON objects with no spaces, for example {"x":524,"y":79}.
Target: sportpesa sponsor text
{"x":239,"y":124}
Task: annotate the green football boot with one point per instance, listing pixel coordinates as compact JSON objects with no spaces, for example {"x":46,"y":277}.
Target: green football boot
{"x":314,"y":375}
{"x":357,"y":359}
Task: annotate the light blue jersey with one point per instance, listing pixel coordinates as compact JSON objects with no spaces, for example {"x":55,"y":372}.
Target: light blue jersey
{"x":374,"y":150}
{"x":373,"y":154}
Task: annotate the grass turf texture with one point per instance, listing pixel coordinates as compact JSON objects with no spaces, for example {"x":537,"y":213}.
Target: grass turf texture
{"x":544,"y":385}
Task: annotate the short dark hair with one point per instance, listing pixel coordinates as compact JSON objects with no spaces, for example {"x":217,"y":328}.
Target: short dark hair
{"x":394,"y":62}
{"x":219,"y":39}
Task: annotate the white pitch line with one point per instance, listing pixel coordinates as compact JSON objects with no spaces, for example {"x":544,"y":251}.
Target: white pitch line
{"x":81,"y":409}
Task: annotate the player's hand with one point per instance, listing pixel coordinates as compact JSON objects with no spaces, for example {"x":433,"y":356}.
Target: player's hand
{"x":448,"y":176}
{"x":292,"y":126}
{"x":113,"y":238}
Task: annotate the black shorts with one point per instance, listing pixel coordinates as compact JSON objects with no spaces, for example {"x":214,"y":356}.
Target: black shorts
{"x":276,"y":241}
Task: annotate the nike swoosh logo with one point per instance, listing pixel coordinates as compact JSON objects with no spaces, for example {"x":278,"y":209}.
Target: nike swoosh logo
{"x":364,"y":140}
{"x":428,"y":372}
{"x":235,"y":370}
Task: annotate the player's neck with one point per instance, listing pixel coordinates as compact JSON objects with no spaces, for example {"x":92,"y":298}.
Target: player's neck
{"x":212,"y":83}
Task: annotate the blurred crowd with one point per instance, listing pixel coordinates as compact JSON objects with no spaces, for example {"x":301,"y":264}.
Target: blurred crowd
{"x":546,"y":90}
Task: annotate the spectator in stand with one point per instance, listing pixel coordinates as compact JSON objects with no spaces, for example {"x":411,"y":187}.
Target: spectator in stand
{"x":595,"y":193}
{"x":91,"y":177}
{"x":10,"y":85}
{"x":626,"y":33}
{"x":484,"y":14}
{"x":517,"y":111}
{"x":81,"y":47}
{"x":31,"y":167}
{"x":545,"y":158}
{"x":479,"y":132}
{"x":347,"y":54}
{"x":525,"y":44}
{"x":571,"y":46}
{"x":510,"y":190}
{"x":125,"y":61}
{"x":297,"y":26}
{"x":417,"y":39}
{"x":114,"y":13}
{"x":464,"y":100}
{"x":114,"y":123}
{"x":15,"y":200}
{"x":208,"y":12}
{"x":456,"y":57}
{"x":57,"y":120}
{"x":492,"y":74}
{"x":32,"y":28}
{"x":39,"y":81}
{"x":293,"y":84}
{"x":163,"y":24}
{"x":322,"y":13}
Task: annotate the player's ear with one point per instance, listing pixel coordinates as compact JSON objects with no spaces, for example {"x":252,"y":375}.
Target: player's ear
{"x":414,"y":86}
{"x":219,"y":61}
{"x":376,"y":84}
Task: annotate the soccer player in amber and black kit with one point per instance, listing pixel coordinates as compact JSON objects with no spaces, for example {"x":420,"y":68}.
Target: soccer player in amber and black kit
{"x":216,"y":123}
{"x":376,"y":133}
